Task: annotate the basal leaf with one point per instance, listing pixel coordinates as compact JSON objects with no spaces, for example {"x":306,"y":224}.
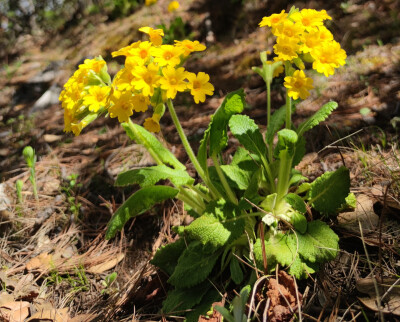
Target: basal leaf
{"x":330,"y":190}
{"x":179,"y":300}
{"x":287,"y":140}
{"x":296,"y":202}
{"x":138,"y":203}
{"x":140,"y":135}
{"x":236,"y":271}
{"x":167,"y":256}
{"x":248,"y":134}
{"x":193,"y":266}
{"x":151,"y":175}
{"x":317,"y":118}
{"x":213,"y":233}
{"x":299,"y":222}
{"x":238,"y":177}
{"x":233,"y":103}
{"x":319,"y":244}
{"x":204,"y":306}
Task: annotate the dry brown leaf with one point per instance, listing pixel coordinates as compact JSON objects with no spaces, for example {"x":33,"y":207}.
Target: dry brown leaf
{"x":5,"y":298}
{"x":50,"y":138}
{"x":364,"y":213}
{"x":54,"y":315}
{"x":15,"y":311}
{"x":43,"y":262}
{"x":391,"y":306}
{"x":97,"y":269}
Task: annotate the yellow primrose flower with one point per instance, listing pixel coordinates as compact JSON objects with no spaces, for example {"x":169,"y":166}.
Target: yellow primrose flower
{"x":328,"y":56}
{"x":68,"y":119}
{"x":286,"y":48}
{"x":71,"y":96}
{"x":152,"y":124}
{"x":150,"y":2}
{"x":173,"y":5}
{"x":167,"y":55}
{"x":189,"y":46}
{"x":173,"y":80}
{"x":199,"y":86}
{"x":139,"y":55}
{"x":289,"y":29}
{"x":125,"y":50}
{"x":154,"y":34}
{"x":310,"y":18}
{"x":96,"y":97}
{"x":122,"y":105}
{"x":147,"y":79}
{"x":273,"y":20}
{"x":140,"y":103}
{"x":123,"y":80}
{"x":95,"y":64}
{"x":298,"y":85}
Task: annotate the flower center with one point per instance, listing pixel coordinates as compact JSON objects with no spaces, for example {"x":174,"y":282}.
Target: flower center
{"x":168,"y":55}
{"x":143,"y":54}
{"x":196,"y":85}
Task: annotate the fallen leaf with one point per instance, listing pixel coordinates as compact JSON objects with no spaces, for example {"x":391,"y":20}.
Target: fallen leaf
{"x":364,"y":213}
{"x":5,"y":298}
{"x":15,"y":311}
{"x":50,"y":138}
{"x":54,"y":315}
{"x":97,"y":269}
{"x":42,"y":261}
{"x":83,"y":318}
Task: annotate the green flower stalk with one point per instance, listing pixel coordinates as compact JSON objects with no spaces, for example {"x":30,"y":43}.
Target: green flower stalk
{"x":30,"y":159}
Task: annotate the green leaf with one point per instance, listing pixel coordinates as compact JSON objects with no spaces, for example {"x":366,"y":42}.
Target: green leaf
{"x":287,"y":140}
{"x":213,"y":233}
{"x":193,"y":266}
{"x":296,"y":202}
{"x":277,"y":121}
{"x":233,"y":103}
{"x":236,"y":271}
{"x":300,"y":151}
{"x":167,"y":256}
{"x":237,"y":177}
{"x":202,"y":308}
{"x":299,"y":222}
{"x":179,"y":300}
{"x":319,"y":244}
{"x":330,"y":190}
{"x":296,"y":177}
{"x":225,"y":313}
{"x":151,"y":175}
{"x":318,"y":117}
{"x":141,"y":201}
{"x":140,"y":135}
{"x":248,"y":134}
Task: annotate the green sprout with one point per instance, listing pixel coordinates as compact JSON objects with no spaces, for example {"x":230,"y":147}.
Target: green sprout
{"x":30,"y":159}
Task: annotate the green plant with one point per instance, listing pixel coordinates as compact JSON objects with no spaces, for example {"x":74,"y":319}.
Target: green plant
{"x":18,"y":187}
{"x":257,"y":206}
{"x":70,"y":191}
{"x":30,"y":159}
{"x":107,"y":282}
{"x":238,"y":307}
{"x":175,"y":31}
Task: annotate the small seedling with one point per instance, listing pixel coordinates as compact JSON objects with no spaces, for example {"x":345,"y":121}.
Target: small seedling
{"x":30,"y":159}
{"x":108,"y":281}
{"x":18,"y":186}
{"x":70,"y":191}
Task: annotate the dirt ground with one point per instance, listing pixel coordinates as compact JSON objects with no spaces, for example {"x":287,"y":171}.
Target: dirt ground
{"x":56,"y":264}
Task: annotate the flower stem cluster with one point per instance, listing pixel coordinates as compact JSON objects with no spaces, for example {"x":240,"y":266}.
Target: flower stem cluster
{"x":152,"y":74}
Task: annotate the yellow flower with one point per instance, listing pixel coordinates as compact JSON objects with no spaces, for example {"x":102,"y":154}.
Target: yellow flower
{"x":123,"y":80}
{"x":125,"y":50}
{"x":298,"y":85}
{"x":173,"y":80}
{"x":147,"y":79}
{"x":139,"y":55}
{"x":95,"y":64}
{"x":154,"y":34}
{"x":150,"y":2}
{"x":310,"y":18}
{"x":152,"y":124}
{"x":289,"y":29}
{"x":286,"y":48}
{"x":327,"y":57}
{"x":140,"y":103}
{"x":122,"y":105}
{"x":96,"y":97}
{"x":189,"y":46}
{"x":167,"y":55}
{"x":199,"y":86}
{"x":273,"y":20}
{"x":173,"y":5}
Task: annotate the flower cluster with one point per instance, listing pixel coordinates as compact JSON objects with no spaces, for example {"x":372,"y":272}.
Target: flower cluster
{"x":152,"y":74}
{"x":302,"y":37}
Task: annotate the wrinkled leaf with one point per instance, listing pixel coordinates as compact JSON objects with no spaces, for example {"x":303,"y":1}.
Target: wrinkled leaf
{"x":317,"y":118}
{"x":167,"y":256}
{"x":141,"y":201}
